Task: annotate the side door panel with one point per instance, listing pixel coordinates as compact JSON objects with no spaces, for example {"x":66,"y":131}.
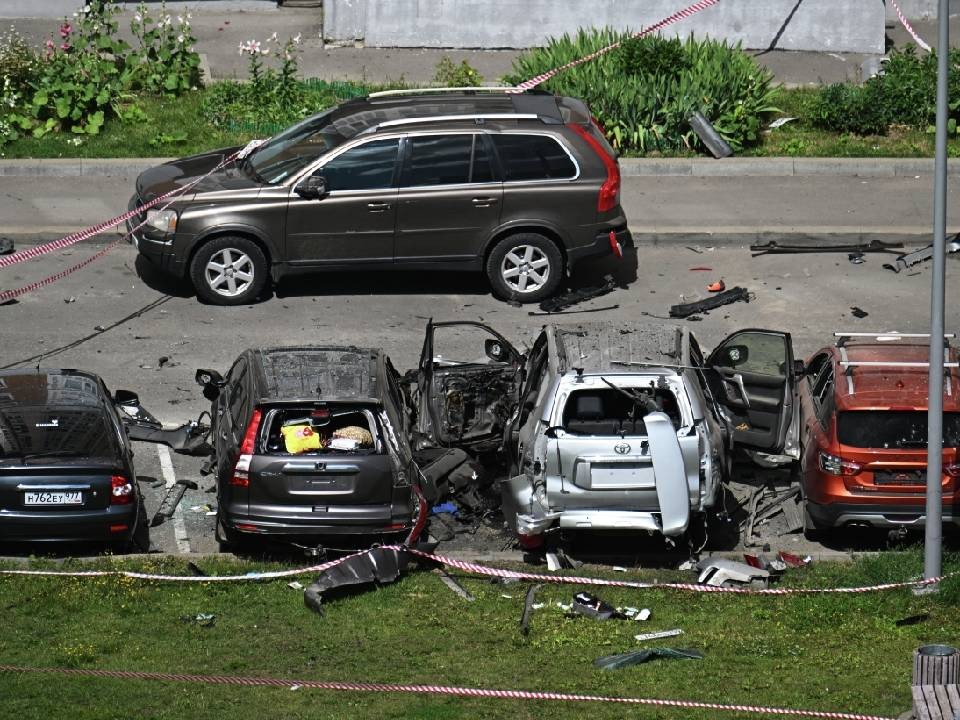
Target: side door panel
{"x":449,"y":199}
{"x":356,"y":220}
{"x":756,"y":380}
{"x":466,"y":401}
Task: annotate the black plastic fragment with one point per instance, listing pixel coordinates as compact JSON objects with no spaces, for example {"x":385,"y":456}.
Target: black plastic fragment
{"x":558,"y":303}
{"x":528,"y":609}
{"x":774,"y":248}
{"x":858,"y":312}
{"x":732,"y":295}
{"x":593,"y":607}
{"x":6,"y":246}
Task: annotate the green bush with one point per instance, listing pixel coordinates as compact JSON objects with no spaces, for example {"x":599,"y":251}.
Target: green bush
{"x":644,"y":92}
{"x":449,"y":74}
{"x":904,"y":93}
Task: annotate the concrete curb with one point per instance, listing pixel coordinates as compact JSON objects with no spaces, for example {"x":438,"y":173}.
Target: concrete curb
{"x":631,"y":167}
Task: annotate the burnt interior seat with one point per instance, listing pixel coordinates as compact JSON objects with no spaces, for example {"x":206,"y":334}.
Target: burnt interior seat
{"x":588,"y":417}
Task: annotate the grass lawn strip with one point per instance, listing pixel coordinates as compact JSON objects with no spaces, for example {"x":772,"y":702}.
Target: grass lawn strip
{"x":841,"y":653}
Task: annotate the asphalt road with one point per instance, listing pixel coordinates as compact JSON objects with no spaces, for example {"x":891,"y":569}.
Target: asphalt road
{"x":81,"y":321}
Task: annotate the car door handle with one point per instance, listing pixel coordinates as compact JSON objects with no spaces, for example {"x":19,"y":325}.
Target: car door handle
{"x":738,"y":379}
{"x":482,"y":202}
{"x":378,"y":206}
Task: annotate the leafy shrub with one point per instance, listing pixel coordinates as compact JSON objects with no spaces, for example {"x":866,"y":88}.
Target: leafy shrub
{"x":88,"y":73}
{"x":904,"y":93}
{"x":449,"y":74}
{"x":644,"y":92}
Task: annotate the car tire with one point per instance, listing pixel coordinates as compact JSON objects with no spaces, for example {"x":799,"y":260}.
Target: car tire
{"x":140,"y":541}
{"x":811,"y":529}
{"x":229,"y":270}
{"x":525,"y":267}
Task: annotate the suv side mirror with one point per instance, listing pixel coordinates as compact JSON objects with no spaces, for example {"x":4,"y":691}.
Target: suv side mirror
{"x":211,"y":381}
{"x":313,"y":188}
{"x":495,"y":350}
{"x":553,"y":432}
{"x":735,"y":355}
{"x":127,"y":398}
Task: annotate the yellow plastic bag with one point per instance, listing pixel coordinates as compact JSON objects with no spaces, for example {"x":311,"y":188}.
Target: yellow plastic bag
{"x":300,"y":438}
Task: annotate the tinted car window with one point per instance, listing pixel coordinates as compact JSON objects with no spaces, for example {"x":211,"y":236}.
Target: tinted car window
{"x":438,"y":160}
{"x":532,"y":157}
{"x":885,"y":429}
{"x":294,"y":148}
{"x":238,"y":377}
{"x":67,"y":432}
{"x":367,"y":167}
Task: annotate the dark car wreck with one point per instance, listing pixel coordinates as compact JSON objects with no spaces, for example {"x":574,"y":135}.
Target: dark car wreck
{"x":312,"y":443}
{"x":610,"y":425}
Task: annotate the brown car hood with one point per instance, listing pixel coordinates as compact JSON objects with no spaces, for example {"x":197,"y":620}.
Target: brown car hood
{"x":162,"y":179}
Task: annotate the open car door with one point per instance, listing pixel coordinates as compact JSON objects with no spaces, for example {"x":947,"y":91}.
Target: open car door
{"x":754,"y":377}
{"x":467,"y":385}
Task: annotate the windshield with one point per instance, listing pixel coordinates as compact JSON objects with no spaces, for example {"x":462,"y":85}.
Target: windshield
{"x":295,"y":148}
{"x":56,"y":432}
{"x":898,"y":430}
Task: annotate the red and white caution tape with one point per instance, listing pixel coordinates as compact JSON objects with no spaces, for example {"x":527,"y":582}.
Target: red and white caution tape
{"x":90,"y":232}
{"x":909,"y":28}
{"x":454,"y":690}
{"x":477,"y":569}
{"x":676,"y":17}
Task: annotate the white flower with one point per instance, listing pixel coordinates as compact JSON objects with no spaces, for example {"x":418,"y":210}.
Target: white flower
{"x":180,"y":38}
{"x":180,"y":19}
{"x":136,"y":17}
{"x":272,"y":38}
{"x":86,"y":9}
{"x":296,"y":40}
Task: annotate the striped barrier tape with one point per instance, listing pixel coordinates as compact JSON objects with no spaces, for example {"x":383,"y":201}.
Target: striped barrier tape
{"x":90,"y":232}
{"x":453,"y":690}
{"x":676,"y":17}
{"x":909,"y":28}
{"x":477,"y":569}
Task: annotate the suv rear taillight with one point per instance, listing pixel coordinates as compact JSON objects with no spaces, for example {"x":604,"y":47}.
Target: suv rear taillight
{"x":834,"y":465}
{"x":241,"y":477}
{"x":121,"y":490}
{"x":609,"y":195}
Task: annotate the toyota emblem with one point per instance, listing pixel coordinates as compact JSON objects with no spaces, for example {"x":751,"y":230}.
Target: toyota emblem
{"x":621,"y":448}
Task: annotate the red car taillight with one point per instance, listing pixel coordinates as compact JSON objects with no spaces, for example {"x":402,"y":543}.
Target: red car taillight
{"x":121,"y":490}
{"x":609,"y":195}
{"x":834,"y":465}
{"x":240,"y":477}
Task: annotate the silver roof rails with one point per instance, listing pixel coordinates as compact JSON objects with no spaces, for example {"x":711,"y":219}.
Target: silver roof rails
{"x":425,"y":91}
{"x":892,"y":336}
{"x":453,"y":118}
{"x":848,"y":365}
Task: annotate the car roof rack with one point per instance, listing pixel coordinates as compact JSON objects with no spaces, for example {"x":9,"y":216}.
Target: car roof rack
{"x":848,"y":365}
{"x":476,"y":117}
{"x":439,"y":90}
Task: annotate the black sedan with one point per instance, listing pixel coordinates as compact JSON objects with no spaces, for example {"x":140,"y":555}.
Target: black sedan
{"x":66,"y":465}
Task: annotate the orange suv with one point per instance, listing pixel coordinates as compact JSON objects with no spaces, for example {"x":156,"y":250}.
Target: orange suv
{"x":863,"y":405}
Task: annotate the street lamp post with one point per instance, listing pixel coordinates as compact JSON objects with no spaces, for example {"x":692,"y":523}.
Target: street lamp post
{"x":933,"y":541}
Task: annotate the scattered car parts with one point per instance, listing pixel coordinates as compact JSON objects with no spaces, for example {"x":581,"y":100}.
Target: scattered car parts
{"x":734,"y":294}
{"x":918,"y":256}
{"x":636,"y":657}
{"x":774,"y":248}
{"x":559,"y":303}
{"x":378,"y":565}
{"x":721,"y":572}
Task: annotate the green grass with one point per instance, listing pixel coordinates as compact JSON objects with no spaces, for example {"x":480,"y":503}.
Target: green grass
{"x":823,"y":653}
{"x":176,"y":127}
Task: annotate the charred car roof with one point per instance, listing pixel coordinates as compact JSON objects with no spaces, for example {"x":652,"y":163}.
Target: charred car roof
{"x":608,"y":347}
{"x":889,"y":387}
{"x":318,"y":373}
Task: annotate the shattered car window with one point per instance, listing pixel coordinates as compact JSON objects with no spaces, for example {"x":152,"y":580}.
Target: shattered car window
{"x":899,"y":430}
{"x":313,"y":431}
{"x":599,"y":411}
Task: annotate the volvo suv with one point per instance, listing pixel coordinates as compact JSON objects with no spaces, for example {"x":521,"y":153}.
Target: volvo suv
{"x":521,"y":186}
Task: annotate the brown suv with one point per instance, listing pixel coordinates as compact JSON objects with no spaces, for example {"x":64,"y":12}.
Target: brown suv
{"x":519,"y":185}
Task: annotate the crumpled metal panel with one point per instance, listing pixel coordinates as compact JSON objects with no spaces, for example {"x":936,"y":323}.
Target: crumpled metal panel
{"x":671,"y":477}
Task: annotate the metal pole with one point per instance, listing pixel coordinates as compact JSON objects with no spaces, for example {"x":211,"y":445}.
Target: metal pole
{"x":932,"y":549}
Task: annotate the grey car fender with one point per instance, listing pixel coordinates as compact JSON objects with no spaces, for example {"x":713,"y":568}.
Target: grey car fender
{"x":671,"y":477}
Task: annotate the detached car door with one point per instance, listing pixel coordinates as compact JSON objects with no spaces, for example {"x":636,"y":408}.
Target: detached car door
{"x":754,"y":378}
{"x":354,"y":222}
{"x":467,"y":385}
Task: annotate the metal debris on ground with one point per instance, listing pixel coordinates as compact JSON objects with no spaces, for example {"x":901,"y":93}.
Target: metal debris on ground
{"x":794,"y":561}
{"x":528,"y":607}
{"x":196,"y":569}
{"x":658,"y":635}
{"x":858,"y":312}
{"x":762,"y":562}
{"x":636,"y":657}
{"x":856,"y":258}
{"x":718,"y":286}
{"x":732,"y":295}
{"x":774,"y":248}
{"x":169,"y":504}
{"x":451,"y":583}
{"x":762,"y":508}
{"x":6,"y":246}
{"x":593,"y":607}
{"x":721,"y":572}
{"x":912,"y":620}
{"x":709,"y":136}
{"x":201,"y":619}
{"x":295,"y":585}
{"x":558,"y":303}
{"x":918,"y":256}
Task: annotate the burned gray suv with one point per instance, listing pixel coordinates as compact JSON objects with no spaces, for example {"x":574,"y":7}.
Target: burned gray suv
{"x":521,"y":186}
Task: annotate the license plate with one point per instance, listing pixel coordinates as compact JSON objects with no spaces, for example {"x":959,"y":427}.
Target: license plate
{"x":53,"y":498}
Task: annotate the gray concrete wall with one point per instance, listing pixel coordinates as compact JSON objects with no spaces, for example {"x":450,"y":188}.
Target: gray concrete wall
{"x":65,"y":8}
{"x":854,"y":26}
{"x":919,"y":9}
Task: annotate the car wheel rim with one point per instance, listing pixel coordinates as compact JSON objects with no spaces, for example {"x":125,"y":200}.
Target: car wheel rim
{"x":525,"y":269}
{"x":229,"y":272}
